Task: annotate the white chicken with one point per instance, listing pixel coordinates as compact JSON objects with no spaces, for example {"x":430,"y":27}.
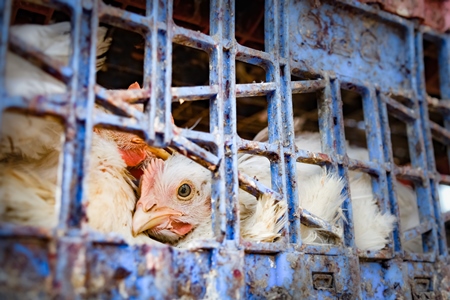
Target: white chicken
{"x":30,"y":149}
{"x":174,"y":205}
{"x":371,"y":227}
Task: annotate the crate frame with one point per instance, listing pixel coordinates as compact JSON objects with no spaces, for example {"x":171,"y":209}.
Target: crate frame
{"x":62,"y":258}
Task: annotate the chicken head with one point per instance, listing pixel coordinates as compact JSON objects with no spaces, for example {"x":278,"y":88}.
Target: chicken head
{"x":174,"y":199}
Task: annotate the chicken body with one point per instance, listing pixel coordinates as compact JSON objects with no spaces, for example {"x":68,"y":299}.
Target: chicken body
{"x":30,"y":191}
{"x":371,"y":227}
{"x":111,"y":191}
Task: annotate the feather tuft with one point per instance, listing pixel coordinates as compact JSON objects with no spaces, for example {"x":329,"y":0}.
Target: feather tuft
{"x":321,"y":195}
{"x":266,"y":222}
{"x":153,"y":170}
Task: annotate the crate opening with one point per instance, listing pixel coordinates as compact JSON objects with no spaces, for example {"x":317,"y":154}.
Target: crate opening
{"x":252,"y":118}
{"x":442,"y":167}
{"x":321,"y":196}
{"x":118,"y":71}
{"x":399,"y":141}
{"x":31,"y":168}
{"x":303,"y":75}
{"x":137,"y":7}
{"x":406,"y":196}
{"x":190,"y":67}
{"x":354,"y":124}
{"x":447,"y":233}
{"x":28,"y":17}
{"x":431,"y":64}
{"x":193,"y":115}
{"x":441,"y":157}
{"x":408,"y":102}
{"x":435,"y":116}
{"x":305,"y":113}
{"x":249,"y":18}
{"x":249,"y":73}
{"x":192,"y":14}
{"x":24,"y":12}
{"x":444,"y":199}
{"x":368,"y":200}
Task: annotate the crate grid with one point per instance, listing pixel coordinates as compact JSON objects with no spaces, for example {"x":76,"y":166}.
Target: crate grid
{"x":235,"y":261}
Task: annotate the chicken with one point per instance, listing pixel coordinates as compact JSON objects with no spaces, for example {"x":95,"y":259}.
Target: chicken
{"x":29,"y":190}
{"x":133,"y":149}
{"x":30,"y":151}
{"x":174,"y":205}
{"x":371,"y":227}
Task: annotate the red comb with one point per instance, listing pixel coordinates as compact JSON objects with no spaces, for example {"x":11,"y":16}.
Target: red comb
{"x":134,"y":86}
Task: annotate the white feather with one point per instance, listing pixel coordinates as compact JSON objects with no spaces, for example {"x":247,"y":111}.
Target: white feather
{"x":371,"y":227}
{"x":266,"y":222}
{"x":409,"y":215}
{"x":29,"y":136}
{"x":28,"y":191}
{"x":319,"y":193}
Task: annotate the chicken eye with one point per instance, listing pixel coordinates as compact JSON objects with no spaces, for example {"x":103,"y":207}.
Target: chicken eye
{"x":185,"y":192}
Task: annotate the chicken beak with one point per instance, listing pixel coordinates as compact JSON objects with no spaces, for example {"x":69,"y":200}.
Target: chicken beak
{"x":143,"y":221}
{"x":158,"y":152}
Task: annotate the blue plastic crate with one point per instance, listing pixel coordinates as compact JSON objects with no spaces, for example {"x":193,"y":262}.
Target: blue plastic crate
{"x":334,"y":46}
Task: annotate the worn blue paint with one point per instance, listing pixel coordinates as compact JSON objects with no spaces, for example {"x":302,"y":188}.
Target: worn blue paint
{"x":336,"y":44}
{"x":350,"y":42}
{"x":389,"y":286}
